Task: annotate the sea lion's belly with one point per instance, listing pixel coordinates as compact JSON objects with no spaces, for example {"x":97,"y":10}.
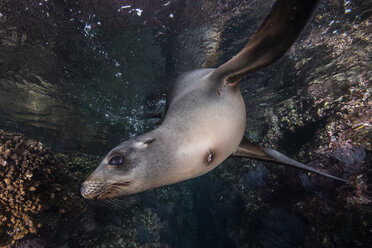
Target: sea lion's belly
{"x":208,"y":125}
{"x":208,"y":145}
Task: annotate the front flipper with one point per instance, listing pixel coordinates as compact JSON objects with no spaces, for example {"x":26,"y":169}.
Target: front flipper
{"x":249,"y":150}
{"x":276,"y":34}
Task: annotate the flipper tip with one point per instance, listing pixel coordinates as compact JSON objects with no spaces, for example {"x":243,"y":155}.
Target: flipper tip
{"x":283,"y":159}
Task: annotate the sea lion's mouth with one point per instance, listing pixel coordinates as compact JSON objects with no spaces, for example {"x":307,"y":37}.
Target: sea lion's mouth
{"x":101,"y":190}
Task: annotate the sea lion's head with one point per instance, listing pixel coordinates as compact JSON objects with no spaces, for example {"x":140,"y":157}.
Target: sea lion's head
{"x":123,"y":171}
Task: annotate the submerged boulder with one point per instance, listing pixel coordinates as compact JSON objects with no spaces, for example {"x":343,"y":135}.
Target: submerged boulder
{"x":36,"y":189}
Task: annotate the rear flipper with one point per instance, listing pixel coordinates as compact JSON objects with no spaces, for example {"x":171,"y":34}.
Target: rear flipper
{"x":249,"y":150}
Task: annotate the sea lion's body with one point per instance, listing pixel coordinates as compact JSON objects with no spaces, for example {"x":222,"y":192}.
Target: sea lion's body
{"x":205,"y":120}
{"x":180,"y":151}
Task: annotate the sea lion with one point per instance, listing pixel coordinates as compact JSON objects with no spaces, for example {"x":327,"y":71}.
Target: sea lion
{"x":205,"y":119}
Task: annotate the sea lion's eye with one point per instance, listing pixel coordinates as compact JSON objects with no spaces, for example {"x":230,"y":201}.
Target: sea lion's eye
{"x":210,"y":157}
{"x":116,"y":160}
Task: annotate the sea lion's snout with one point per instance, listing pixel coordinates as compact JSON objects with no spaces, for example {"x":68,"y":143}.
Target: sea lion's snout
{"x":94,"y":190}
{"x":87,"y":190}
{"x":84,"y":191}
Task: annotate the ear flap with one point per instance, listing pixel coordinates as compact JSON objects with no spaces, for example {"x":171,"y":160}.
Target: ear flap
{"x":276,"y":34}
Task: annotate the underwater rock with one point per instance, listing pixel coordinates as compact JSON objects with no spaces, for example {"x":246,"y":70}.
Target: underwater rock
{"x":351,"y":157}
{"x":255,"y":177}
{"x":32,"y":243}
{"x":79,"y":164}
{"x":279,"y":228}
{"x":35,"y":188}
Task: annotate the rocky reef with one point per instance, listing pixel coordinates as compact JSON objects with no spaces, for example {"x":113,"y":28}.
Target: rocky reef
{"x":35,"y":187}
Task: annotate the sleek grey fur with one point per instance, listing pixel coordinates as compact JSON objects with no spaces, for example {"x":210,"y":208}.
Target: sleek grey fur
{"x":206,"y":117}
{"x":176,"y":150}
